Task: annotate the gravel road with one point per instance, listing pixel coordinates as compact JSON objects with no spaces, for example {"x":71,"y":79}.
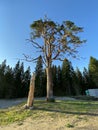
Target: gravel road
{"x":12,"y":102}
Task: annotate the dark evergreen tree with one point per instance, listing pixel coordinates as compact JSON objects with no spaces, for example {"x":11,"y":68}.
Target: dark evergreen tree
{"x":17,"y":80}
{"x":22,"y":94}
{"x":93,"y":71}
{"x":2,"y":79}
{"x":6,"y":81}
{"x":54,"y":78}
{"x":80,"y":82}
{"x":44,"y":81}
{"x":75,"y":84}
{"x":39,"y":77}
{"x":87,"y":80}
{"x":9,"y":82}
{"x":59,"y":90}
{"x":67,"y":77}
{"x":14,"y":82}
{"x":26,"y":81}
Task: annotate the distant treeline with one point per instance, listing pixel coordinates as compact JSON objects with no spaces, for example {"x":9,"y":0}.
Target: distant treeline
{"x":14,"y":82}
{"x":66,"y":80}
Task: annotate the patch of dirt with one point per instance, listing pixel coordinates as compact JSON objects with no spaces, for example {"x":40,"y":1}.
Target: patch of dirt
{"x":67,"y":122}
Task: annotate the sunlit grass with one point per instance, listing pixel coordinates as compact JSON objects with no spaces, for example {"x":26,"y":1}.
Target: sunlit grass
{"x":43,"y":109}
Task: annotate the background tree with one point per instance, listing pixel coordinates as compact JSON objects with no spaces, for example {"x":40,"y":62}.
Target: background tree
{"x":87,"y":80}
{"x":67,"y":77}
{"x":17,"y":80}
{"x":93,"y":71}
{"x":80,"y":82}
{"x":14,"y":82}
{"x":8,"y":82}
{"x":2,"y":79}
{"x":76,"y":84}
{"x":63,"y":76}
{"x":39,"y":77}
{"x":59,"y":81}
{"x":20,"y":80}
{"x":54,"y":78}
{"x":26,"y":81}
{"x":57,"y":40}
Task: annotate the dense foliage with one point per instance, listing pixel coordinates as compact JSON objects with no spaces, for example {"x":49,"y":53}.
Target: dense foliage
{"x":14,"y":82}
{"x":66,"y":80}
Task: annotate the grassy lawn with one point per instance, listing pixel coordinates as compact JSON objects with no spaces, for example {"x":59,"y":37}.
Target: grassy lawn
{"x":43,"y":110}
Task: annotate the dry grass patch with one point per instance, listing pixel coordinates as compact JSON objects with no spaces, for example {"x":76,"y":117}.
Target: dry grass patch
{"x":59,"y":115}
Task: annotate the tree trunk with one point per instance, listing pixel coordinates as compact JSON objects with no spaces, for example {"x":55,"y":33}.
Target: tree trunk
{"x":31,"y":92}
{"x":49,"y":85}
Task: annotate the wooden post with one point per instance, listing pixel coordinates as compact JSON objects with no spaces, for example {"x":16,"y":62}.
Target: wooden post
{"x":31,"y":93}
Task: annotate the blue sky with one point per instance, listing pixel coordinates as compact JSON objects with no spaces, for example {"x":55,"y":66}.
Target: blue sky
{"x":17,"y":15}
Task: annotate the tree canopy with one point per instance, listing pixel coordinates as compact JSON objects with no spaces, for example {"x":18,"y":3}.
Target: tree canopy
{"x":56,"y":40}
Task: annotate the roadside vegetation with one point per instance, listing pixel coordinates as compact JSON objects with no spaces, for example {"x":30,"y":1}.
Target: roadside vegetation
{"x":77,"y":109}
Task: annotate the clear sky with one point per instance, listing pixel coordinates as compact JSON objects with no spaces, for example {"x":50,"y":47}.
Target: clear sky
{"x":17,"y":15}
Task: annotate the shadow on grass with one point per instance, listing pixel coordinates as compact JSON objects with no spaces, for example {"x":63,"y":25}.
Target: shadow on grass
{"x":69,"y":107}
{"x":82,"y":103}
{"x":66,"y":112}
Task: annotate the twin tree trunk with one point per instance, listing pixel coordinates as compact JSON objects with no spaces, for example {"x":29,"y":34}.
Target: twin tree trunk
{"x":49,"y":84}
{"x":49,"y":88}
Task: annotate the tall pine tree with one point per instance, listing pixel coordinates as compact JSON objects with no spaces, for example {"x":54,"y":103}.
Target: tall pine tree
{"x":67,"y":77}
{"x":93,"y":71}
{"x":39,"y":77}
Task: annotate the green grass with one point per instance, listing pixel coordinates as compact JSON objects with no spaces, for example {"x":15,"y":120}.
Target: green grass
{"x":70,"y":125}
{"x":43,"y":109}
{"x":84,"y":97}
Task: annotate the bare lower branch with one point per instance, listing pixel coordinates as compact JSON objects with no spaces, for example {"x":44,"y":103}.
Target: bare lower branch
{"x":56,"y":55}
{"x":29,"y":59}
{"x":60,"y":59}
{"x":35,"y":44}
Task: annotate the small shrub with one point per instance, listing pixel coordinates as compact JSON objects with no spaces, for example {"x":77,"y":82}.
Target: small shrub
{"x":69,"y":125}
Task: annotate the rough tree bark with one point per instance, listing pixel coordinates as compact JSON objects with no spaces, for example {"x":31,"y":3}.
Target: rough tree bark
{"x":31,"y":92}
{"x":49,"y":84}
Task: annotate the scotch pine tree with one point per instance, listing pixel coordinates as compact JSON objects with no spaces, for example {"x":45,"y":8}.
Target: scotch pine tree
{"x":56,"y":41}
